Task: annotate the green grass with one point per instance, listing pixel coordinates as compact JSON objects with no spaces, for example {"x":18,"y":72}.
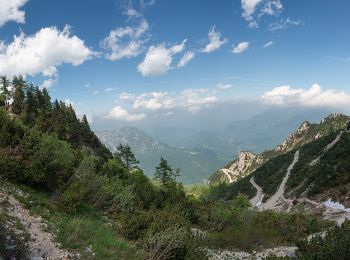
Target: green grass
{"x":85,"y":232}
{"x":253,"y":230}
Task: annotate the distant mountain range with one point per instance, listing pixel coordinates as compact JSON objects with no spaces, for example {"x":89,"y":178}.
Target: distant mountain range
{"x":200,"y":153}
{"x":196,"y":164}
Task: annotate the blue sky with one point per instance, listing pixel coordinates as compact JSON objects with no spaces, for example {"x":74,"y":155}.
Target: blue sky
{"x":121,"y":59}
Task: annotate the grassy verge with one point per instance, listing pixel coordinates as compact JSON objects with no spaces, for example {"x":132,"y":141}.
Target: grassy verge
{"x":86,"y":233}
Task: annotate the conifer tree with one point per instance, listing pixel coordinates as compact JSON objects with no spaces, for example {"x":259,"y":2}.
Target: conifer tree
{"x":127,"y":156}
{"x":4,"y":91}
{"x":18,"y":95}
{"x":164,"y":173}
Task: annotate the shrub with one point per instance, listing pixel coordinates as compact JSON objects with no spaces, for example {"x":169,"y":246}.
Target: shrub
{"x":334,"y":245}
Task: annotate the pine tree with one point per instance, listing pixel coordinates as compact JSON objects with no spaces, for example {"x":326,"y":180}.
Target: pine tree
{"x":127,"y":156}
{"x":5,"y":94}
{"x":18,"y":95}
{"x":164,"y":173}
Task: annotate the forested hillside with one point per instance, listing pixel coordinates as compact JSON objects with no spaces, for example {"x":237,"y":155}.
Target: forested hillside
{"x":98,"y":205}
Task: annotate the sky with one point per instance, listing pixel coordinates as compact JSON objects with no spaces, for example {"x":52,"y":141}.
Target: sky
{"x":131,"y":61}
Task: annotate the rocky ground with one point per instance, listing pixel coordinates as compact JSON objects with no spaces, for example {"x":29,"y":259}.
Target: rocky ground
{"x":32,"y":230}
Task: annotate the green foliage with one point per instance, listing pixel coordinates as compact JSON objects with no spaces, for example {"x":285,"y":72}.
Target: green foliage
{"x":248,"y":229}
{"x":334,"y":245}
{"x":18,"y":95}
{"x":241,"y":202}
{"x":332,"y":171}
{"x":164,"y":173}
{"x":52,"y":162}
{"x":127,"y":156}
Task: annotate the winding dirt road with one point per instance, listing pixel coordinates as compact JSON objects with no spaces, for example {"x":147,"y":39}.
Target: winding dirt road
{"x":257,"y":199}
{"x":272,"y":201}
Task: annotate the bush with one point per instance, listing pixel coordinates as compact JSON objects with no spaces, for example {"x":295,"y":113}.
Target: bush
{"x":334,"y":245}
{"x":170,"y":243}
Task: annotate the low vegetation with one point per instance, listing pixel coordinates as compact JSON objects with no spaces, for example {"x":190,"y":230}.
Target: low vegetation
{"x":102,"y":205}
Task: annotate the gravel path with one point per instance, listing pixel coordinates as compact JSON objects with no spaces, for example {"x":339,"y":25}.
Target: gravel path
{"x":226,"y":171}
{"x":272,"y":201}
{"x":41,"y":243}
{"x":326,"y":149}
{"x":257,"y":199}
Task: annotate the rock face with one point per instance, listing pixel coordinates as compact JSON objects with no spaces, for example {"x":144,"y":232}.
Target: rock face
{"x":294,"y":139}
{"x":247,"y":162}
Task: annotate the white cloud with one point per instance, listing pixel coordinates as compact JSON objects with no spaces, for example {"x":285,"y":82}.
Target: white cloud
{"x":268,"y":44}
{"x":191,"y":99}
{"x":215,"y":41}
{"x":222,"y":86}
{"x":312,"y":97}
{"x":126,"y":96}
{"x":185,"y":59}
{"x":48,"y":83}
{"x":125,"y":42}
{"x":109,"y":89}
{"x":255,"y":9}
{"x":10,"y":11}
{"x":42,"y":52}
{"x":132,"y":13}
{"x":241,"y":47}
{"x":154,"y":101}
{"x":249,"y":7}
{"x":68,"y":102}
{"x":96,"y":92}
{"x":283,"y":24}
{"x":121,"y":113}
{"x":159,"y":58}
{"x":170,"y":113}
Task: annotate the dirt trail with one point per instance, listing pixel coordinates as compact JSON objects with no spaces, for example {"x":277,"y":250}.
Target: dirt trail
{"x":257,"y":199}
{"x":326,"y":149}
{"x":272,"y":201}
{"x":41,"y":243}
{"x":226,"y":171}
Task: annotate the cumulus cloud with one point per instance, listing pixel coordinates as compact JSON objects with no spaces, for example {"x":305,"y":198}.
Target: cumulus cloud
{"x":154,"y":101}
{"x":191,"y":99}
{"x":315,"y":96}
{"x":222,"y":86}
{"x":240,"y":47}
{"x":125,"y":42}
{"x":126,"y":96}
{"x":121,"y":113}
{"x":283,"y":24}
{"x":42,"y":52}
{"x":255,"y":9}
{"x":185,"y":59}
{"x":158,"y":59}
{"x":215,"y":41}
{"x":10,"y":11}
{"x":268,"y":44}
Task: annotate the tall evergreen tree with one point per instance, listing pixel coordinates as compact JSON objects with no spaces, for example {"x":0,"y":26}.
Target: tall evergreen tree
{"x":18,"y":95}
{"x":4,"y":91}
{"x":164,"y":173}
{"x":127,"y":156}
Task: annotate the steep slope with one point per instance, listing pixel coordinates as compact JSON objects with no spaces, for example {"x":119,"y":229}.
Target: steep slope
{"x":196,"y":165}
{"x":314,"y":171}
{"x":306,"y":133}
